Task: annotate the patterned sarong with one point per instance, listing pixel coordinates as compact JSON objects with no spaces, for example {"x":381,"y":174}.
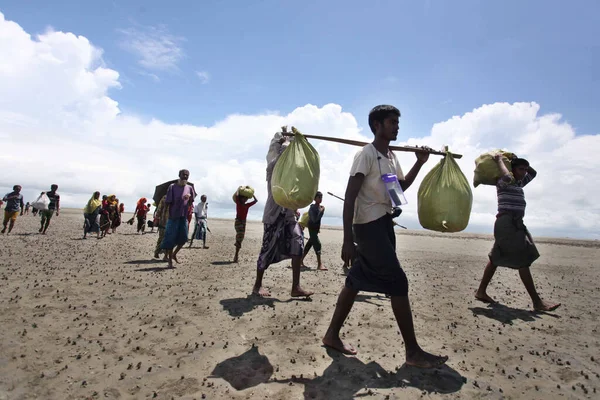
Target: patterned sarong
{"x":240,"y":232}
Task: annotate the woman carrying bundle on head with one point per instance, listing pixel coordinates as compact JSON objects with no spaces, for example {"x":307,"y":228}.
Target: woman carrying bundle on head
{"x":241,"y":214}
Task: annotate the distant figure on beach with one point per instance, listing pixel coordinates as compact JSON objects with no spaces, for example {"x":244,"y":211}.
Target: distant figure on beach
{"x":513,"y":245}
{"x":116,"y":217}
{"x":241,"y":214}
{"x":180,"y":196}
{"x":104,"y":217}
{"x":141,"y":211}
{"x":54,"y":206}
{"x":201,"y":225}
{"x":91,"y":215}
{"x":112,"y":208}
{"x":14,"y":206}
{"x":374,"y":263}
{"x":27,"y":207}
{"x":315,"y":213}
{"x":282,"y":238}
{"x":153,"y":217}
{"x":161,"y":217}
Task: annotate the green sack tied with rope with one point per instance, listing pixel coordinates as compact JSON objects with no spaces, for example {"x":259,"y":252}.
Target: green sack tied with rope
{"x":295,"y":178}
{"x":444,"y":199}
{"x":486,"y":168}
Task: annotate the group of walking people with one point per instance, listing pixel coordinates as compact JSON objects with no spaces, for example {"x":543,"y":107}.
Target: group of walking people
{"x":369,"y":242}
{"x":47,"y":204}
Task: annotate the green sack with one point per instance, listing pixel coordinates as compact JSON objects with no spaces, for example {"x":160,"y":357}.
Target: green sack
{"x":246,"y":191}
{"x":304,"y":220}
{"x":486,"y":169}
{"x":444,"y":199}
{"x":295,"y":178}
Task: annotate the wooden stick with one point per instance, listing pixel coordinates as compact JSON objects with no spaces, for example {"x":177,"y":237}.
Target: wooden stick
{"x":413,"y":149}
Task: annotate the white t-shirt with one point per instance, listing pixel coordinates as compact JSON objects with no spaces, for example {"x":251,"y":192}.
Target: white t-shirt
{"x":373,"y":201}
{"x":200,"y":210}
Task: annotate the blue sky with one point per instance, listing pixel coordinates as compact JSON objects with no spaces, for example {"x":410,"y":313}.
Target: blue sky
{"x":434,"y":59}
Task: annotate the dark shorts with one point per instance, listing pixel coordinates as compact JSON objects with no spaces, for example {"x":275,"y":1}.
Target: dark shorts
{"x":176,"y":233}
{"x":376,"y":267}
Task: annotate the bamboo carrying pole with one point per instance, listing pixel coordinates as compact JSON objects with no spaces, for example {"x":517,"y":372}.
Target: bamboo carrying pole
{"x":413,"y":149}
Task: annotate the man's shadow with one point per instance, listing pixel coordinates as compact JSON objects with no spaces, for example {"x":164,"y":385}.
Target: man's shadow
{"x":236,"y":307}
{"x":342,"y":379}
{"x":345,"y":376}
{"x":507,"y":315}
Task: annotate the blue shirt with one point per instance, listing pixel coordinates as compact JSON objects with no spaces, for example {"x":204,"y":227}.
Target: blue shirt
{"x":14,"y":201}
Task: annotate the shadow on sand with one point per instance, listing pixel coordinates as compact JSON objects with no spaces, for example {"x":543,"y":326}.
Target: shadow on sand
{"x":342,"y":379}
{"x":144,"y":262}
{"x":239,"y":306}
{"x":222,"y":262}
{"x":507,"y":315}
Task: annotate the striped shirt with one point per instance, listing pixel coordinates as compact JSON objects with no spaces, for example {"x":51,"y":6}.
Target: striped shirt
{"x":511,"y":197}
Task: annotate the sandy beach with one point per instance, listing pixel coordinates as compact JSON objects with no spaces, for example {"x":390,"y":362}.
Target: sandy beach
{"x":100,"y":319}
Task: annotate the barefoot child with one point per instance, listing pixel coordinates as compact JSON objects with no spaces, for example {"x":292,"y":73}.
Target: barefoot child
{"x":315,"y":213}
{"x":513,"y":245}
{"x":241,"y":214}
{"x":375,"y":266}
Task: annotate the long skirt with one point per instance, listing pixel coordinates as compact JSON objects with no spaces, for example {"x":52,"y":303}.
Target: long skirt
{"x":513,"y":245}
{"x":200,"y":229}
{"x":240,"y":232}
{"x":376,"y":267}
{"x":92,"y":222}
{"x":282,"y":240}
{"x":176,"y":233}
{"x":161,"y":237}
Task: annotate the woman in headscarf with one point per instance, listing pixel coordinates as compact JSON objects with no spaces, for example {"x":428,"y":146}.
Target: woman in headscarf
{"x":105,"y":221}
{"x":140,"y":213}
{"x":91,"y":213}
{"x":113,"y":212}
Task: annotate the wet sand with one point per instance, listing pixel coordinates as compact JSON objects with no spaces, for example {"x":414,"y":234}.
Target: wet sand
{"x":100,"y":319}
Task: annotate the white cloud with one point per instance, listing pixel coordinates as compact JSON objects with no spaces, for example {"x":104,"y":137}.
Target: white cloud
{"x":56,"y":112}
{"x":155,"y":47}
{"x":203,"y":76}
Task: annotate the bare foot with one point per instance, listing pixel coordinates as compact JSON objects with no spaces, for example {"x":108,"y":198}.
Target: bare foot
{"x":484,"y":297}
{"x":423,"y":359}
{"x":322,"y":268}
{"x":545,"y":306}
{"x":336,"y":343}
{"x":261,"y":291}
{"x":299,"y":292}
